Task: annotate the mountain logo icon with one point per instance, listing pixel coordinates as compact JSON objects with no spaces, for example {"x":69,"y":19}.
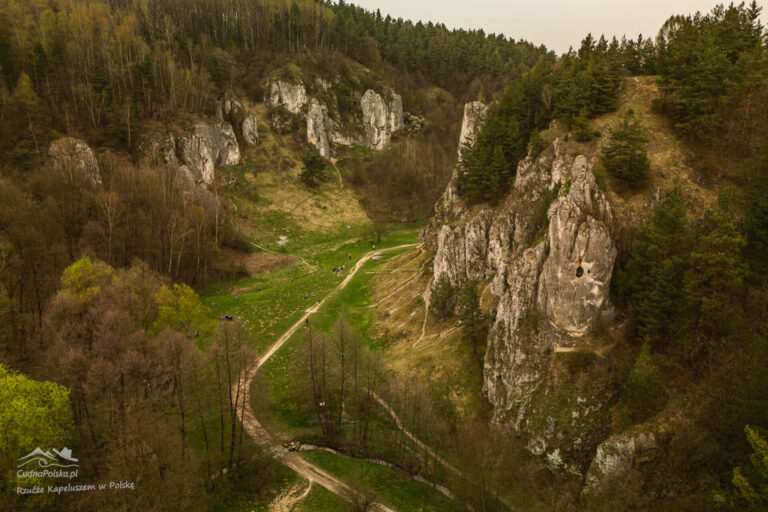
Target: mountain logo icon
{"x":45,"y":459}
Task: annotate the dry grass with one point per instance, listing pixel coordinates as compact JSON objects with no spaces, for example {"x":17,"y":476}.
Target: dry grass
{"x":251,"y":264}
{"x":325,"y":209}
{"x":440,"y":360}
{"x":670,"y":160}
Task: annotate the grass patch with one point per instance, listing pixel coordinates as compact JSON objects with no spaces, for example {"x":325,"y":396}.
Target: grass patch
{"x":390,"y":485}
{"x":279,"y":394}
{"x":322,"y":500}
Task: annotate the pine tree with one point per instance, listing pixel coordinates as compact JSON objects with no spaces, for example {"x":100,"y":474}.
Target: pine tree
{"x":443,"y":297}
{"x":752,"y":481}
{"x":625,"y":156}
{"x":651,"y":281}
{"x":715,"y":277}
{"x":314,"y":167}
{"x":582,"y":131}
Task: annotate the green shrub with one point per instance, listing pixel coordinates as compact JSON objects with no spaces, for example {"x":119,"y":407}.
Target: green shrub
{"x":579,"y":361}
{"x":582,"y":130}
{"x":314,"y":167}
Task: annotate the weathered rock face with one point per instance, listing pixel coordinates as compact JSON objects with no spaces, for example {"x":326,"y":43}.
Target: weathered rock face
{"x":550,"y":284}
{"x":576,"y":278}
{"x":474,"y":118}
{"x":619,"y":457}
{"x":250,"y":129}
{"x":449,"y":207}
{"x":375,"y":120}
{"x":396,"y":113}
{"x":211,"y":145}
{"x":318,"y":127}
{"x":292,"y":96}
{"x":75,"y":157}
{"x":243,"y":121}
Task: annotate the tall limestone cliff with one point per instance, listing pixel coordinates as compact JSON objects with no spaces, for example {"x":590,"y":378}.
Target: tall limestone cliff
{"x":549,"y":277}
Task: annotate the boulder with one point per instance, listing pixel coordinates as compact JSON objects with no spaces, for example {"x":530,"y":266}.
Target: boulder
{"x":75,"y":157}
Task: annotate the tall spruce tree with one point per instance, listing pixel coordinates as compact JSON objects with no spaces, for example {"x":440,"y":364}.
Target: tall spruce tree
{"x":625,"y":156}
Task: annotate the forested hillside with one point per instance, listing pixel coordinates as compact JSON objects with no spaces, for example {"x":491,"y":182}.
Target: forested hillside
{"x":689,"y":261}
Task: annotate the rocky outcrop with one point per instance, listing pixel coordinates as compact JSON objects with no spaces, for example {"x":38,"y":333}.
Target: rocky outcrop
{"x":197,"y":153}
{"x":373,"y":127}
{"x":550,"y":284}
{"x":318,"y":127}
{"x":250,"y":129}
{"x":474,"y":118}
{"x":208,"y":147}
{"x":76,"y":158}
{"x":576,"y":278}
{"x":620,"y":457}
{"x":396,"y":113}
{"x":449,"y":207}
{"x":244,"y":122}
{"x":376,"y":121}
{"x":290,"y":95}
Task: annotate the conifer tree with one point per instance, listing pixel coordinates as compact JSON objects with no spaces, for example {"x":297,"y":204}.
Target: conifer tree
{"x":443,"y":297}
{"x":625,"y":156}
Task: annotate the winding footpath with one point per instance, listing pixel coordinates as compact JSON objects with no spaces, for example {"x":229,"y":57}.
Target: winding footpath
{"x":263,"y":438}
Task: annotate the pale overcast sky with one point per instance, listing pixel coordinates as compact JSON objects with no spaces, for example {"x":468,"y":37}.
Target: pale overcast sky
{"x":557,"y":24}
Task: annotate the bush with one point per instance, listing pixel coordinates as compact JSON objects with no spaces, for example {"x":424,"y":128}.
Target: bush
{"x":582,"y":131}
{"x":536,"y":145}
{"x":314,"y":168}
{"x":625,"y":156}
{"x":579,"y":361}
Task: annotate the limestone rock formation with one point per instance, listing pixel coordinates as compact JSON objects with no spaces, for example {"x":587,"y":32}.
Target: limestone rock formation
{"x":318,"y":127}
{"x":291,"y":95}
{"x":375,"y":120}
{"x":576,"y":278}
{"x":74,"y":156}
{"x":250,"y":129}
{"x":474,"y":118}
{"x":550,"y":286}
{"x":396,"y":113}
{"x":208,"y":147}
{"x":231,"y":110}
{"x":449,"y":207}
{"x":619,"y":457}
